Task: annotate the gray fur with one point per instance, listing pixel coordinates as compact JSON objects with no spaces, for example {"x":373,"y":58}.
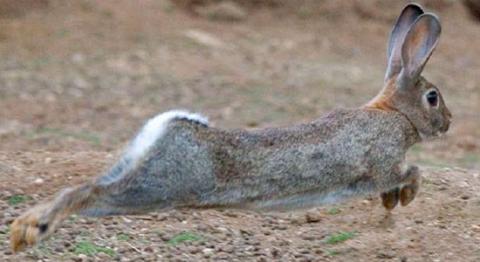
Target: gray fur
{"x":343,"y":154}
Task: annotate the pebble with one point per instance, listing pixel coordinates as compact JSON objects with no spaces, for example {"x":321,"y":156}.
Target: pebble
{"x":223,"y":11}
{"x":207,"y":252}
{"x":275,"y":252}
{"x":465,"y":197}
{"x":308,"y":237}
{"x":38,"y":181}
{"x":386,"y":254}
{"x":313,"y":217}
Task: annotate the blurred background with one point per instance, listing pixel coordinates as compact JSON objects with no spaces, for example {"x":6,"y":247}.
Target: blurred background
{"x":84,"y":75}
{"x":79,"y":78}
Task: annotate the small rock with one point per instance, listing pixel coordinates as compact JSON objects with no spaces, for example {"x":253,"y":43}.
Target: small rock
{"x":204,"y":38}
{"x":207,"y":252}
{"x":221,"y":230}
{"x":298,"y":220}
{"x":161,"y":217}
{"x":126,"y":220}
{"x":313,"y":217}
{"x":386,"y":254}
{"x":222,"y":11}
{"x":465,"y":197}
{"x":230,"y":213}
{"x":103,"y":257}
{"x":308,"y":237}
{"x":38,"y":181}
{"x":275,"y":252}
{"x":194,"y":250}
{"x":280,"y":227}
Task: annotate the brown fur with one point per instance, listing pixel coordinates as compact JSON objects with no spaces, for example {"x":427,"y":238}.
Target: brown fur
{"x":383,"y":101}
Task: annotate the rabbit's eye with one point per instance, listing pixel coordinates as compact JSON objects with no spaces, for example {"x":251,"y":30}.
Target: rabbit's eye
{"x":43,"y":228}
{"x":432,"y":98}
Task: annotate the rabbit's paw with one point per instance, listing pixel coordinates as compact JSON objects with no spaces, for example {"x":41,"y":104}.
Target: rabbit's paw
{"x":408,"y":192}
{"x":28,"y":229}
{"x":390,"y":198}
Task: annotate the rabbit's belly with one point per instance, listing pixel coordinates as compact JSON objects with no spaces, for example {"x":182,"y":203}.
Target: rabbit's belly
{"x":305,"y":200}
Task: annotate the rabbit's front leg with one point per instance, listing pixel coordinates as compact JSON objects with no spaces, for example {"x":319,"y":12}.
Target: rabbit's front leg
{"x":410,"y":189}
{"x":406,"y":192}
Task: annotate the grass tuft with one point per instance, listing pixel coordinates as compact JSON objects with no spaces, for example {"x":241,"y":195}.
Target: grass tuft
{"x":184,"y":237}
{"x":339,"y":237}
{"x":333,"y":211}
{"x":90,"y":249}
{"x":123,"y":237}
{"x":332,"y":253}
{"x":18,"y":199}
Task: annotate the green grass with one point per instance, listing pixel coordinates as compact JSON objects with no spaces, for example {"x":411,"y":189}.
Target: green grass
{"x":339,"y":237}
{"x":333,"y":211}
{"x":123,"y":237}
{"x":332,"y":253}
{"x":18,"y":199}
{"x":184,"y":237}
{"x":90,"y":249}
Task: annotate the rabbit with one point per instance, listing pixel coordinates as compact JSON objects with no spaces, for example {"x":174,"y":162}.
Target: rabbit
{"x":177,"y":160}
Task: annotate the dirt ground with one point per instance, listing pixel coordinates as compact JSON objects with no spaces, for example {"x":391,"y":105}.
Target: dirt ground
{"x":78,"y":78}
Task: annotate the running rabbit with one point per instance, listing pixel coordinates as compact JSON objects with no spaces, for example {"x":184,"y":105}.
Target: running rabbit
{"x":178,"y":161}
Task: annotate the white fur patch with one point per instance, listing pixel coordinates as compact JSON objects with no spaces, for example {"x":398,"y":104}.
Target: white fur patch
{"x":155,"y":128}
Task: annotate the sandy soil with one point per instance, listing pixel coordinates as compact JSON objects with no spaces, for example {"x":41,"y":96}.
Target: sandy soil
{"x":77,"y":81}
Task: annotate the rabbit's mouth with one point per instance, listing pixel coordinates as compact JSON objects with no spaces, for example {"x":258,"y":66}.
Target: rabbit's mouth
{"x":431,"y":136}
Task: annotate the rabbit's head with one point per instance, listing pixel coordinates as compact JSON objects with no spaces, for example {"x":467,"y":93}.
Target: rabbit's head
{"x":412,"y":41}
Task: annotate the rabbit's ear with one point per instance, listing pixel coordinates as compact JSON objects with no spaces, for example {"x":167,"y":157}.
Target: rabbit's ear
{"x":408,"y":15}
{"x":420,"y":41}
